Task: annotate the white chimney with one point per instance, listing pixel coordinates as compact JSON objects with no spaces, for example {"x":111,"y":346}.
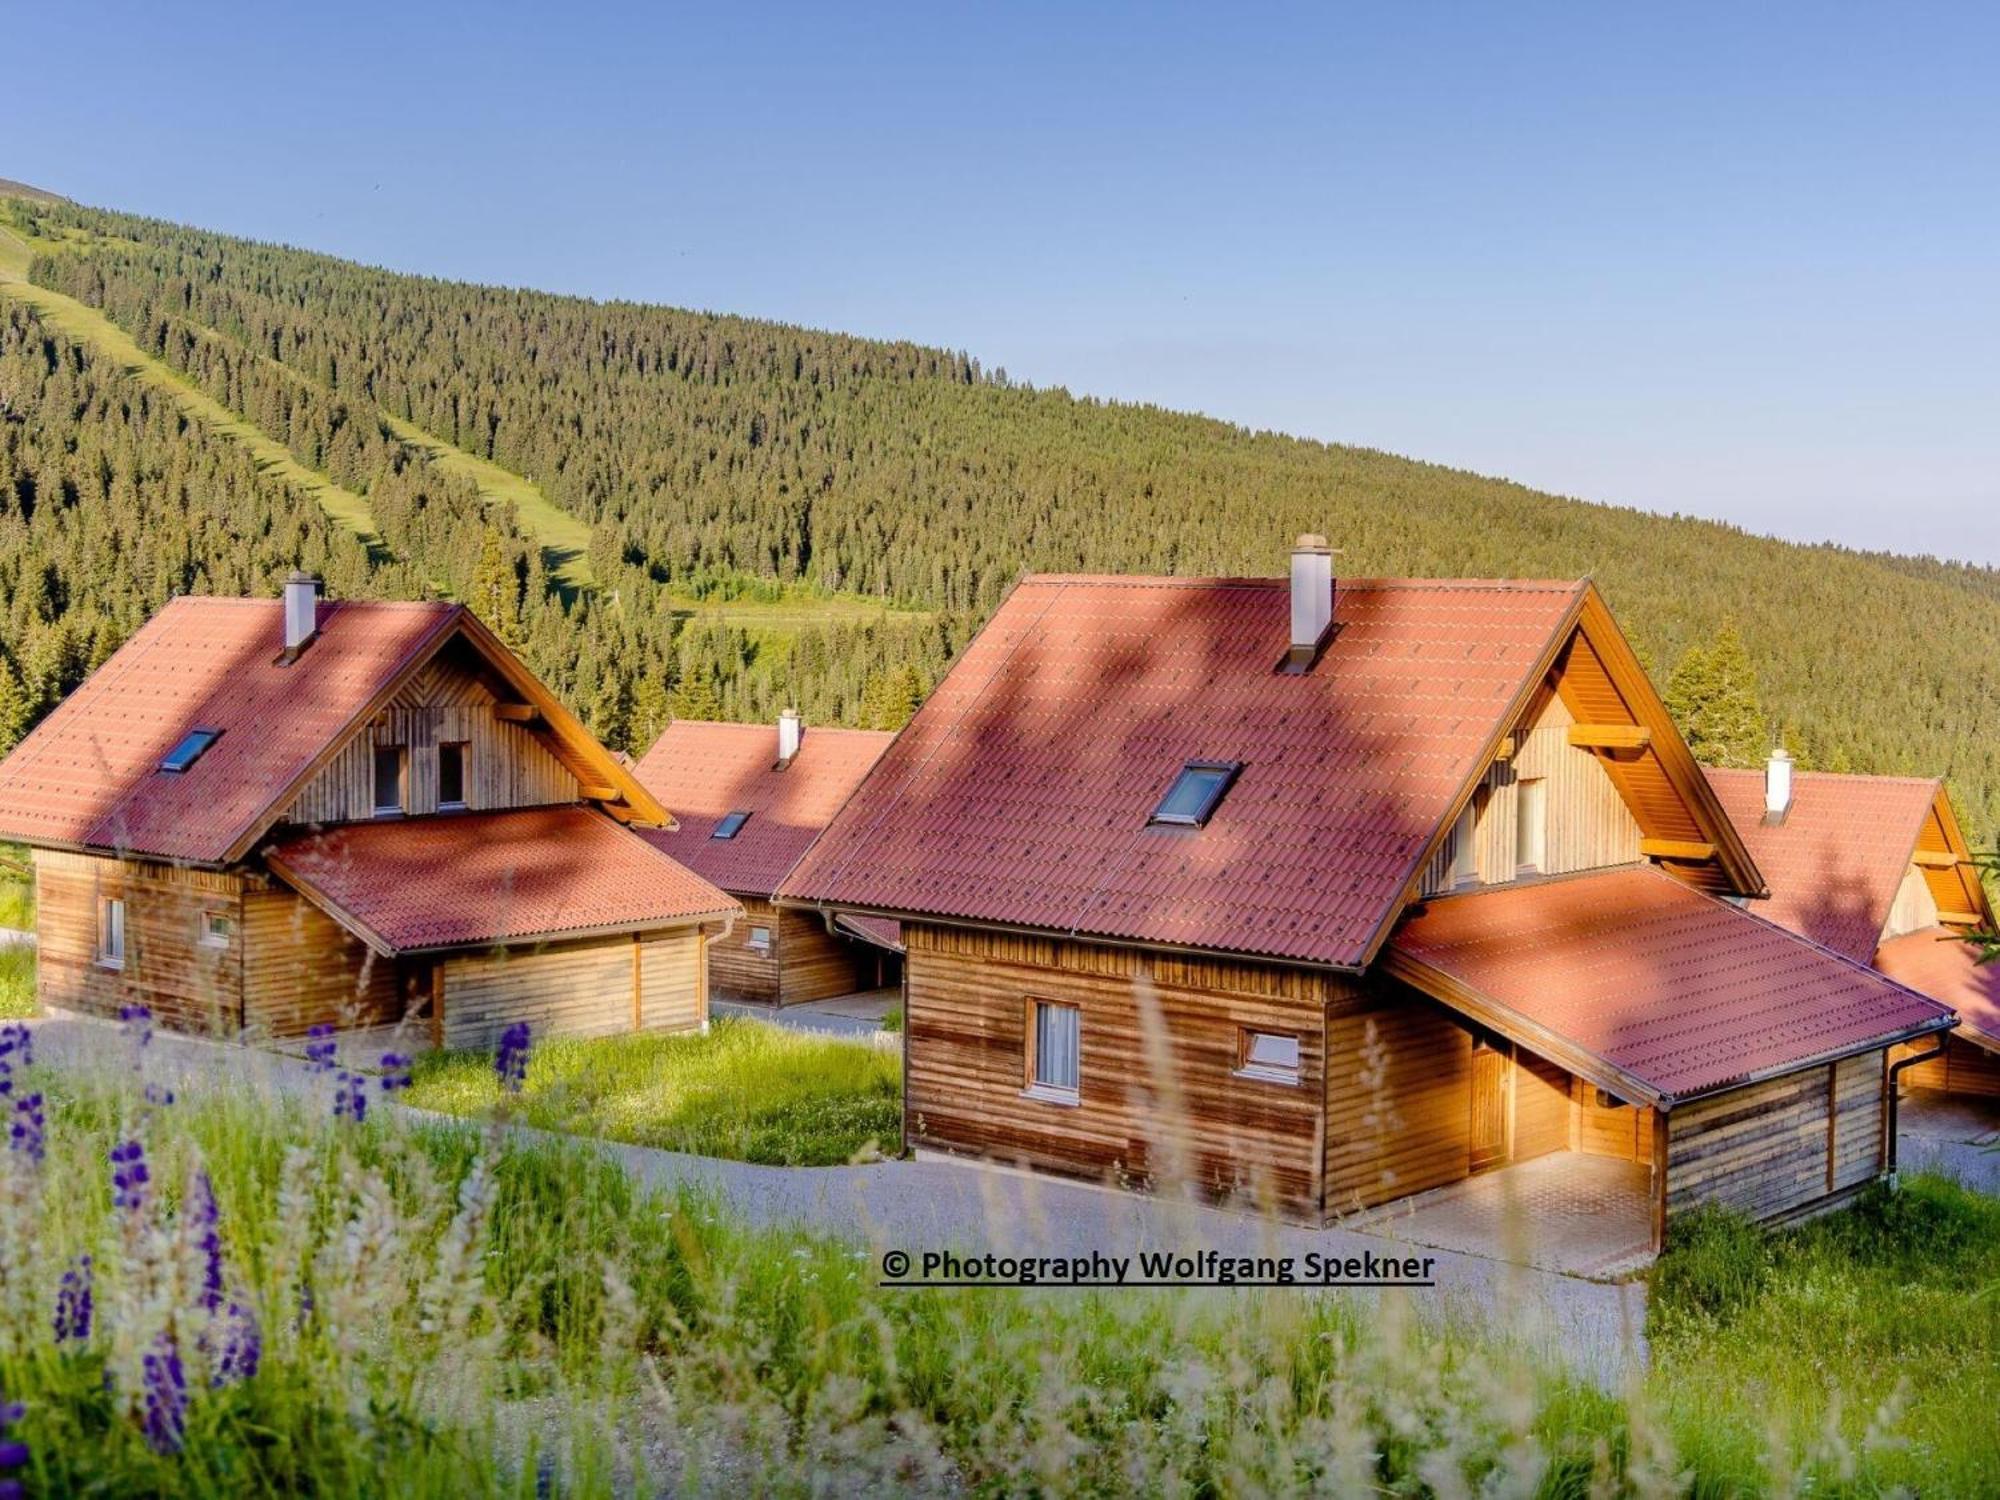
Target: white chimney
{"x":1312,"y":600}
{"x":790,"y":732}
{"x":1777,"y":785}
{"x":301,"y":611}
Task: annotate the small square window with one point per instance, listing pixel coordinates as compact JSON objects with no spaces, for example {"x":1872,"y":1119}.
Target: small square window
{"x":190,"y":749}
{"x":388,"y":779}
{"x":760,"y":939}
{"x":1196,"y":791}
{"x":730,"y":826}
{"x":451,"y":774}
{"x":111,"y":932}
{"x":217,"y":927}
{"x":1270,"y":1055}
{"x":1054,"y":1051}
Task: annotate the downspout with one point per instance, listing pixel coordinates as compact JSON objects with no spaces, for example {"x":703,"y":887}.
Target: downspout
{"x":1896,"y":1068}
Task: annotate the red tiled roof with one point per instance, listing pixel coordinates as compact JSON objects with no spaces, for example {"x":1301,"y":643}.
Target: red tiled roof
{"x":704,"y":771}
{"x":1020,"y":793}
{"x":1948,"y":970}
{"x":89,"y":774}
{"x":1834,"y":865}
{"x":493,"y":877}
{"x":881,"y":931}
{"x":1678,"y":990}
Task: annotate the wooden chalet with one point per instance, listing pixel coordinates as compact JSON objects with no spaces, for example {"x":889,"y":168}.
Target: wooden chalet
{"x":262,"y":815}
{"x":749,"y":800}
{"x":1324,"y":897}
{"x":1877,"y":868}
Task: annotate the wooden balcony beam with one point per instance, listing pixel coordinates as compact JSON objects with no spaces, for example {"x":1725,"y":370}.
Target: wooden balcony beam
{"x":1610,"y":736}
{"x":1676,"y":849}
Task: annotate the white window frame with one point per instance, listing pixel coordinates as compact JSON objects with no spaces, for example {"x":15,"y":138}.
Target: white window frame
{"x":1531,"y":833}
{"x":1248,"y":1066}
{"x":464,"y":749}
{"x":1036,"y":1087}
{"x":111,"y":932}
{"x":207,"y":937}
{"x":758,"y":944}
{"x":402,"y":803}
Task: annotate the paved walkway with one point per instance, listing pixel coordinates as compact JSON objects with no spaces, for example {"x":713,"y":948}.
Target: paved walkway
{"x":1957,"y":1136}
{"x":858,"y":1016}
{"x":929,"y":1204}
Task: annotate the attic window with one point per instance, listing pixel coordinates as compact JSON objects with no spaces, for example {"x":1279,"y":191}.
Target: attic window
{"x":189,"y":750}
{"x":1193,"y":797}
{"x":730,"y":826}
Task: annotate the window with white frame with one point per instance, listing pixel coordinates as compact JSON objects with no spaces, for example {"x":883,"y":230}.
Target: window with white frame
{"x":1531,"y":824}
{"x":217,"y":927}
{"x":1054,"y":1050}
{"x":1272,"y":1056}
{"x":760,"y":939}
{"x":111,"y":932}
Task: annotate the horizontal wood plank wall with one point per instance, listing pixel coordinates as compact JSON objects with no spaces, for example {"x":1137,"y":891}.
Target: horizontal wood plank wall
{"x":188,"y":985}
{"x":1398,"y":1097}
{"x":302,"y":969}
{"x":1588,"y":826}
{"x":1624,"y":1131}
{"x":813,"y":964}
{"x":507,"y":765}
{"x":1764,"y":1149}
{"x":1965,"y":1068}
{"x":737,"y":970}
{"x":571,"y":989}
{"x":671,"y":994}
{"x":1541,"y":1106}
{"x":967,"y":994}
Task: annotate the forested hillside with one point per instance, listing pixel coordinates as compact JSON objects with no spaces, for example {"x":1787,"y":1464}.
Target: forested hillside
{"x":874,"y":500}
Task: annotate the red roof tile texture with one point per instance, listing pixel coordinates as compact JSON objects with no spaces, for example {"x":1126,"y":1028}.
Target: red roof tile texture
{"x":1834,"y":865}
{"x":1677,"y":989}
{"x":1020,"y":793}
{"x":498,"y":877}
{"x":1948,"y":970}
{"x":89,"y":774}
{"x":704,"y":771}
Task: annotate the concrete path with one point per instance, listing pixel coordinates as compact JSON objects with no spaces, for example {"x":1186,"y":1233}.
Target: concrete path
{"x":1957,"y":1136}
{"x":857,"y":1016}
{"x":16,"y":937}
{"x":963,"y":1207}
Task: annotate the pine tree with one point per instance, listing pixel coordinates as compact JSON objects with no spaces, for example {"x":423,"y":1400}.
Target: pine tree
{"x":651,"y":709}
{"x":696,"y":697}
{"x":16,"y":712}
{"x":495,"y":595}
{"x":1712,"y":695}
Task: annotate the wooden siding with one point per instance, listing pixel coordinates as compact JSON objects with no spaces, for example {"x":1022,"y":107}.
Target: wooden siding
{"x":187,"y":984}
{"x":804,"y":961}
{"x":1398,"y":1097}
{"x":735,"y":968}
{"x":1541,"y":1106}
{"x":1914,"y":908}
{"x":1624,"y":1131}
{"x":1588,"y":825}
{"x":302,"y":969}
{"x":1781,"y":1148}
{"x":593,"y":987}
{"x":1965,"y":1068}
{"x":507,"y":764}
{"x":1158,"y":1096}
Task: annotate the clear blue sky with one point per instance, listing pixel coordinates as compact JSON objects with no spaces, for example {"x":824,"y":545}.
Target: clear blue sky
{"x":1742,"y":261}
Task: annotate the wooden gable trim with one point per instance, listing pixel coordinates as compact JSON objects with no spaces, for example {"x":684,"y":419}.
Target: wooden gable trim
{"x":1955,"y":886}
{"x":1665,"y":748}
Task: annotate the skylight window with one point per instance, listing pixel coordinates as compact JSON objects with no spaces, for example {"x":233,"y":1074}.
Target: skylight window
{"x":730,"y":826}
{"x":190,"y":749}
{"x":1193,"y":797}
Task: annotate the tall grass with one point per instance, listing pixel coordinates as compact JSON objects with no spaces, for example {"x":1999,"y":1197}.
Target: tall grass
{"x":747,"y":1090}
{"x":17,"y":981}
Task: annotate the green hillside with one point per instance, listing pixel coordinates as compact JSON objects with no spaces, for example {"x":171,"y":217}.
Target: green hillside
{"x":681,"y":509}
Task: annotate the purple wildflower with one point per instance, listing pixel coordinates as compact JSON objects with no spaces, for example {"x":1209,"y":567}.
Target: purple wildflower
{"x":159,"y":1094}
{"x":350,"y":1099}
{"x":74,"y":1302}
{"x":28,"y":1134}
{"x":166,"y":1395}
{"x":395,"y":1071}
{"x":137,"y":1023}
{"x":129,"y":1176}
{"x":17,"y":1045}
{"x":242,"y":1347}
{"x":512,"y":1062}
{"x":321,"y":1048}
{"x":13,"y":1453}
{"x":204,"y":1221}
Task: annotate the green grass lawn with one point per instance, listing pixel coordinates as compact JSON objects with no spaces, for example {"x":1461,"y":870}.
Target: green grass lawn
{"x":748,"y":1090}
{"x":17,"y":982}
{"x":1864,"y":1344}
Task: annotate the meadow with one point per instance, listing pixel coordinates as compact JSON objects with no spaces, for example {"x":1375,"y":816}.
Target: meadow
{"x":747,"y":1090}
{"x":231,"y":1294}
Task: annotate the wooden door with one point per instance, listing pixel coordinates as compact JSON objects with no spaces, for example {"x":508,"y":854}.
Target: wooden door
{"x":1489,"y":1104}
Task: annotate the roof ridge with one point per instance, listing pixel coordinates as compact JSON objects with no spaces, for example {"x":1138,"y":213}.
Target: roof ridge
{"x":1350,"y":585}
